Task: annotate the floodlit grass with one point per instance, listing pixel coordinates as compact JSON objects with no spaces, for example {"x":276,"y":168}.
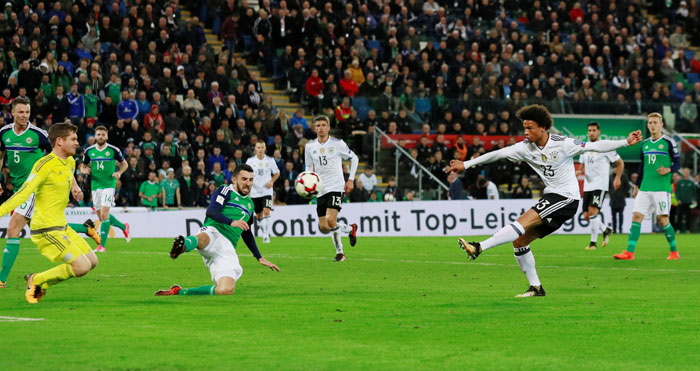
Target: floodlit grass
{"x":396,"y":303}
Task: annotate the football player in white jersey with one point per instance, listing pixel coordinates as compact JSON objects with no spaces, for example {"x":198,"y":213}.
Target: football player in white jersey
{"x":551,"y":156}
{"x":324,"y":155}
{"x":596,"y":167}
{"x":266,"y":173}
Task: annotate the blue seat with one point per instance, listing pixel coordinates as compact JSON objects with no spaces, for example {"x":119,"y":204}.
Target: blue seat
{"x":692,"y":78}
{"x":363,"y":112}
{"x":359,"y":102}
{"x":689,"y":54}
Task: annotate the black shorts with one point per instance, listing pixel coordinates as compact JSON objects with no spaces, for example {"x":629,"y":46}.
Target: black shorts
{"x":262,"y":202}
{"x":593,"y":198}
{"x":554,"y":210}
{"x":331,"y":200}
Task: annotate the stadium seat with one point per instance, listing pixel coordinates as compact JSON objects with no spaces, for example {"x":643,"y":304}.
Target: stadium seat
{"x":689,"y":54}
{"x":358,"y":102}
{"x":422,"y":105}
{"x":692,"y":78}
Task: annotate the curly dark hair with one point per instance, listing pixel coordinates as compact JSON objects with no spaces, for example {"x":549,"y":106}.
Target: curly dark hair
{"x":537,"y":113}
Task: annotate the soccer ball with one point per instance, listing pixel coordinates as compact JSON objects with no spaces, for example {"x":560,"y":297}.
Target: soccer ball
{"x":308,"y":184}
{"x":389,"y":197}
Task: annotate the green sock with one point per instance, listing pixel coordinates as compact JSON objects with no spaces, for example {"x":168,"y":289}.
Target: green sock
{"x":104,"y":232}
{"x":201,"y":290}
{"x":115,"y":222}
{"x":670,"y":236}
{"x":8,"y":257}
{"x":191,"y":243}
{"x":634,"y":236}
{"x":80,"y":228}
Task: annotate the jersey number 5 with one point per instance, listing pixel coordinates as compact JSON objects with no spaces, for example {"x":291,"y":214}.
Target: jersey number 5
{"x":322,"y":160}
{"x":15,"y":156}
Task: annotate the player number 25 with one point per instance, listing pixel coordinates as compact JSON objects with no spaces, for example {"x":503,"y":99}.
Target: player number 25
{"x":547,"y":170}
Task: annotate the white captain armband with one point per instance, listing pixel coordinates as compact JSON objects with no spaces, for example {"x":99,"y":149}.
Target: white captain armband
{"x":220,"y":199}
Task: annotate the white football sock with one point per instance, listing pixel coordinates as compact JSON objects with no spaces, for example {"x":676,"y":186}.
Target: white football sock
{"x":595,"y":227}
{"x":344,"y":228}
{"x":526,"y":261}
{"x":509,"y":233}
{"x":266,"y":226}
{"x":337,"y":242}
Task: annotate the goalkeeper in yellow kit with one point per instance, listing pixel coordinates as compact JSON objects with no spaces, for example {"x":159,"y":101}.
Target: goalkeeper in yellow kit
{"x":50,"y":181}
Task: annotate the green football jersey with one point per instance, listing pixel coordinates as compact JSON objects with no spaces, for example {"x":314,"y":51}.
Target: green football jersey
{"x":103,"y":163}
{"x":228,"y":203}
{"x":655,"y":154}
{"x":23,"y":150}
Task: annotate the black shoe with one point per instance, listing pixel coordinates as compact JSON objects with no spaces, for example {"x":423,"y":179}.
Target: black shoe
{"x":606,"y":236}
{"x":532,"y":291}
{"x":89,"y":224}
{"x":353,"y":235}
{"x":473,"y":249}
{"x":178,"y":247}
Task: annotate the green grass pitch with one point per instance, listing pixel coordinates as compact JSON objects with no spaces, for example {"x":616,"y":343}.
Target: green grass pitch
{"x":396,"y":303}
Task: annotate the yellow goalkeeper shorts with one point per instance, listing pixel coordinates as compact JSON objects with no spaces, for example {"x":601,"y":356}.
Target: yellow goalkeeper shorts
{"x":60,"y":245}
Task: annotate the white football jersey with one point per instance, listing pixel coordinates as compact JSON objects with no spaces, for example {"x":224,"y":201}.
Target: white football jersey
{"x":262,"y":173}
{"x":597,"y":168}
{"x":554,"y":163}
{"x":326,"y":160}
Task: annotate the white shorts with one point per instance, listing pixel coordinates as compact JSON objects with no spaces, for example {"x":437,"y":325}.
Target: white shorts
{"x":220,"y":256}
{"x":103,"y":197}
{"x":27,"y":208}
{"x":652,"y":202}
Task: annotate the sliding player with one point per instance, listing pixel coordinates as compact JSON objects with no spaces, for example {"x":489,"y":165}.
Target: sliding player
{"x":229,"y":215}
{"x":551,"y":156}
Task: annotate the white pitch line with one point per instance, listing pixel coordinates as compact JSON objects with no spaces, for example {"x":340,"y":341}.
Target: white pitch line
{"x":565,"y":267}
{"x":18,"y":319}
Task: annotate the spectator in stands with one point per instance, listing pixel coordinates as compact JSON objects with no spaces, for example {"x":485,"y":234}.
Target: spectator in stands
{"x":314,"y":91}
{"x":523,"y":189}
{"x":392,"y":189}
{"x":359,"y":193}
{"x":456,"y":186}
{"x":348,"y":86}
{"x":368,"y":178}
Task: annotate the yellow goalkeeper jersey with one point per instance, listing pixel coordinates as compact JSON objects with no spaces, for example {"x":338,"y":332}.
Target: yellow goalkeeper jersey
{"x":50,"y":181}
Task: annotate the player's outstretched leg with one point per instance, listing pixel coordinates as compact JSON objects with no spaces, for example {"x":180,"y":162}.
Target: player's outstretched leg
{"x":473,"y":249}
{"x":509,"y":233}
{"x":105,"y":225}
{"x":338,"y":244}
{"x":182,"y":245}
{"x":9,"y":256}
{"x":595,"y":230}
{"x":88,"y":228}
{"x":173,"y":290}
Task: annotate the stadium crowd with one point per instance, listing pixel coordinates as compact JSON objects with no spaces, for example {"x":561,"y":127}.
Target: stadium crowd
{"x":185,"y":116}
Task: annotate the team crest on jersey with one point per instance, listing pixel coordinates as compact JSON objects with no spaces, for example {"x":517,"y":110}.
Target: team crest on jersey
{"x":330,"y":150}
{"x":260,"y":164}
{"x":107,"y":153}
{"x":661,"y":146}
{"x":322,"y":150}
{"x":29,"y":140}
{"x":544,"y":158}
{"x":554,"y":155}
